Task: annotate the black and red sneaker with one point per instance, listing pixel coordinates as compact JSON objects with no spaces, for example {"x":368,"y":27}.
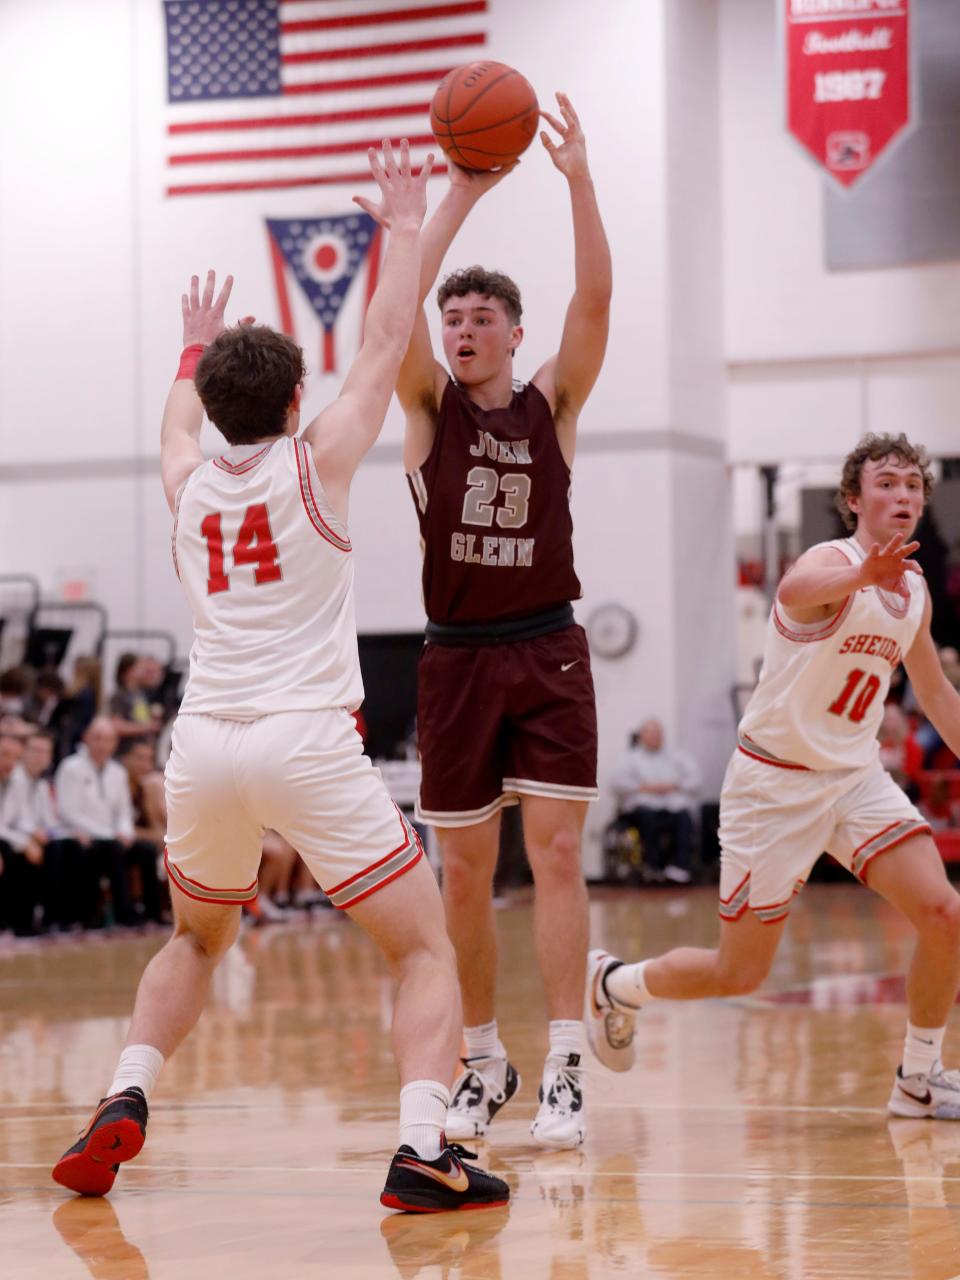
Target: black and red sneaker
{"x":446,"y":1184}
{"x":114,"y":1135}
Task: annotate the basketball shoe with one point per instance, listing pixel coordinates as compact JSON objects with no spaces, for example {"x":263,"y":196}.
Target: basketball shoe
{"x":114,"y":1135}
{"x":933,"y":1095}
{"x":610,"y":1028}
{"x":416,"y":1185}
{"x":560,"y":1122}
{"x":484,"y":1087}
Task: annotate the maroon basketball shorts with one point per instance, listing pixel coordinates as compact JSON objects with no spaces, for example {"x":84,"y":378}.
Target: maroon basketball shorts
{"x":500,"y":721}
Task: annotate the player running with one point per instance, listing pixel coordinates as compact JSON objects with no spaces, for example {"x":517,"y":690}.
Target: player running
{"x":265,"y":738}
{"x":806,"y":777}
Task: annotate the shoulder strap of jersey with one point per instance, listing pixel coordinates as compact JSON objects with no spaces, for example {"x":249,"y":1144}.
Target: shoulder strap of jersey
{"x":848,"y":547}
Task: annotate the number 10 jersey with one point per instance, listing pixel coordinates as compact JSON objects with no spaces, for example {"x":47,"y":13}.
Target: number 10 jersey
{"x":268,"y":572}
{"x":819,"y":700}
{"x":493,"y":501}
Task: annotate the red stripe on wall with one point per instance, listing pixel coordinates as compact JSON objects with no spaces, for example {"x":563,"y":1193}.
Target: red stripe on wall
{"x":422,"y":13}
{"x":368,"y":82}
{"x":382,"y":50}
{"x":297,"y":122}
{"x":283,"y":298}
{"x":290,"y":153}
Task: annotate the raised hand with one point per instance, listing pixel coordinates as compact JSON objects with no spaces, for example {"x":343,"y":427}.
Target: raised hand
{"x":570,"y":156}
{"x":403,"y":201}
{"x":885,"y":566}
{"x":202,"y":316}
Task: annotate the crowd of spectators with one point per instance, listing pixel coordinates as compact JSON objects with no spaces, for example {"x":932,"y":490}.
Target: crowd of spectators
{"x":81,"y":798}
{"x":82,"y":812}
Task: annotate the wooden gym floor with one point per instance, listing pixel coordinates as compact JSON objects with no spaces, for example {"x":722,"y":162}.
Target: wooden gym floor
{"x":749,"y":1143}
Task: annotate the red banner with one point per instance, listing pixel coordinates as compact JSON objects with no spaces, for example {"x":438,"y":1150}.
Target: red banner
{"x":848,"y":79}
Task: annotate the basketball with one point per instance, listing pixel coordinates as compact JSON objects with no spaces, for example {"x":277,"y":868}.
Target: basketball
{"x":484,"y":115}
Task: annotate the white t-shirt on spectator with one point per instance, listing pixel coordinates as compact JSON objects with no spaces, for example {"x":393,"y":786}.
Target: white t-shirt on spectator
{"x":639,"y":768}
{"x":94,"y":801}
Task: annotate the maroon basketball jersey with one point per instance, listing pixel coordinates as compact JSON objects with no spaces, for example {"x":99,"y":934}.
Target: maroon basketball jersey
{"x":493,"y":500}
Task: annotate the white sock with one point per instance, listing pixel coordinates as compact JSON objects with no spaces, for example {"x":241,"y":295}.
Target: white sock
{"x":625,"y":985}
{"x":138,"y":1067}
{"x":566,"y":1037}
{"x":484,"y":1041}
{"x":423,"y":1114}
{"x":921,"y":1049}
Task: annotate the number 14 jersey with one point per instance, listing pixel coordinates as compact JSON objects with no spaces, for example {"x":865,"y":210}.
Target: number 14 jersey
{"x":493,"y":501}
{"x":268,"y":572}
{"x":819,"y":700}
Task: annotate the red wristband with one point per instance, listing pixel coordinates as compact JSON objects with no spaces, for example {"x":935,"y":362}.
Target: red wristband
{"x":189,"y":359}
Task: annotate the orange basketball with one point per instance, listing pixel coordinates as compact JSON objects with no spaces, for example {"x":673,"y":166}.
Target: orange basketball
{"x":484,"y":114}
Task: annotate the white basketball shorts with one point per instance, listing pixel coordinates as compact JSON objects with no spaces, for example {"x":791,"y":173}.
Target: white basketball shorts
{"x":776,"y":821}
{"x":301,"y":773}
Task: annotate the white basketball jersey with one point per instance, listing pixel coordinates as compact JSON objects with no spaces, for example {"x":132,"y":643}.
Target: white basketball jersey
{"x":268,"y":571}
{"x":819,"y":701}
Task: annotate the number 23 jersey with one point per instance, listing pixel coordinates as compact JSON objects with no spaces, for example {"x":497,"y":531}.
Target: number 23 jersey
{"x":267,"y":568}
{"x":493,"y":501}
{"x":819,"y":700}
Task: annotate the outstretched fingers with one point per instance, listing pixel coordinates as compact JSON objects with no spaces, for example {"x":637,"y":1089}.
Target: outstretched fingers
{"x":567,"y":111}
{"x":560,"y":127}
{"x":376,"y":168}
{"x":223,"y":297}
{"x":389,"y":159}
{"x":426,"y":168}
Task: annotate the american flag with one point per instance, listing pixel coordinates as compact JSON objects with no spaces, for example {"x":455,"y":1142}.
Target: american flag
{"x":272,"y":94}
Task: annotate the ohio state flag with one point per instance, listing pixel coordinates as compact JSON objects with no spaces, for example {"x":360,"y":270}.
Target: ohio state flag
{"x":324,"y":256}
{"x":847,"y":80}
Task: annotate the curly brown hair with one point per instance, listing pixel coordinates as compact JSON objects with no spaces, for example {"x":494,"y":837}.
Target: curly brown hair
{"x":875,"y":448}
{"x":489,"y":284}
{"x":246,"y":379}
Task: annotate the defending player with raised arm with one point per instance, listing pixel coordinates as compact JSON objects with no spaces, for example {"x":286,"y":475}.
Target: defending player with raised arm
{"x":806,"y":776}
{"x":265,"y":738}
{"x":506,"y":709}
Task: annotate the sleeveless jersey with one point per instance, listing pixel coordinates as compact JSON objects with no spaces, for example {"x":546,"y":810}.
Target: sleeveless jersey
{"x":268,"y":571}
{"x":493,"y":501}
{"x":819,"y":701}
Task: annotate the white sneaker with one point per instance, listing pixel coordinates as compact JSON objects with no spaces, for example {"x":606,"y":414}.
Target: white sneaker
{"x":934,"y":1095}
{"x":486,"y":1084}
{"x":609,"y":1028}
{"x":560,"y":1122}
{"x":676,"y":875}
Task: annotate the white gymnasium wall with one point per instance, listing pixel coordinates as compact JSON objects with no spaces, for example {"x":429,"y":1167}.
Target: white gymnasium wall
{"x":816,"y":357}
{"x":93,"y":258}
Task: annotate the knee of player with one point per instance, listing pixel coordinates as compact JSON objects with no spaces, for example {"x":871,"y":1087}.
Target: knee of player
{"x":212,"y":941}
{"x":941,"y":916}
{"x":740,"y":979}
{"x":557,"y":857}
{"x":464,"y":878}
{"x":431,"y":952}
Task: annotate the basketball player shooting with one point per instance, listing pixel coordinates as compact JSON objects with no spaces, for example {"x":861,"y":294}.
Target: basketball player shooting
{"x":506,"y":709}
{"x":806,"y":777}
{"x":265,"y":738}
